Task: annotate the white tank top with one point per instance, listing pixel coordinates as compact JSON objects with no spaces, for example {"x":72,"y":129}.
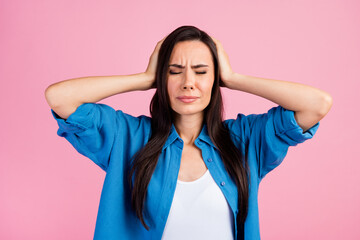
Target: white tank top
{"x":199,"y":211}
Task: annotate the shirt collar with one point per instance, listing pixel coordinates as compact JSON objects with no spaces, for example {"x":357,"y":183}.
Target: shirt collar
{"x":203,"y":136}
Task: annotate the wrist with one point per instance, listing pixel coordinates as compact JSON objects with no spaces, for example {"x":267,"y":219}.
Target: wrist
{"x":232,"y":80}
{"x":148,"y":80}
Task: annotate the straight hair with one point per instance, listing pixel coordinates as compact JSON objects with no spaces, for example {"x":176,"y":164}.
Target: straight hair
{"x":145,"y":160}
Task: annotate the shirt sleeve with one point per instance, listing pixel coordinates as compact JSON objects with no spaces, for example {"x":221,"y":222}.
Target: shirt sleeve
{"x":270,"y":134}
{"x":91,"y":129}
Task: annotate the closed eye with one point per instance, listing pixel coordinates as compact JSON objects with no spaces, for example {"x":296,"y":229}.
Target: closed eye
{"x":171,"y":72}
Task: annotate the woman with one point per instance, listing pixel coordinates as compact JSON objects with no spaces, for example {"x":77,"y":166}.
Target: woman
{"x":184,"y":173}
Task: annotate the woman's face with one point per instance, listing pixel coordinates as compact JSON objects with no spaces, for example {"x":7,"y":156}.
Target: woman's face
{"x":190,"y":77}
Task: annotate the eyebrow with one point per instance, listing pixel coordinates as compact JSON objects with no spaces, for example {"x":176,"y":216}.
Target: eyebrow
{"x":194,"y":66}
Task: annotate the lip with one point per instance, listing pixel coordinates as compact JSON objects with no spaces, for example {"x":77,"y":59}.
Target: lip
{"x":187,"y":99}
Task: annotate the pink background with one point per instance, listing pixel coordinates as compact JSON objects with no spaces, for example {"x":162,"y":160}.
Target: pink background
{"x":50,"y":191}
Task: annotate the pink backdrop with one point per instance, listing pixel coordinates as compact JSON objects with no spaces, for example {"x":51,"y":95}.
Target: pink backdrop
{"x":49,"y":191}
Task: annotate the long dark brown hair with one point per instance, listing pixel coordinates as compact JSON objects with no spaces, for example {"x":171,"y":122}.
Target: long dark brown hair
{"x":145,"y":160}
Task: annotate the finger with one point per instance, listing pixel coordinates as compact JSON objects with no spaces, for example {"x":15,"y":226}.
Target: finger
{"x":159,"y":43}
{"x":215,"y":40}
{"x":162,"y":40}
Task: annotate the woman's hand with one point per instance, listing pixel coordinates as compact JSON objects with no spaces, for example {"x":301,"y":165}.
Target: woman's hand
{"x":226,"y":72}
{"x":151,"y":68}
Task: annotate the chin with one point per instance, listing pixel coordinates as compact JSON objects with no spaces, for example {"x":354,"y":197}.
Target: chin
{"x":187,"y":111}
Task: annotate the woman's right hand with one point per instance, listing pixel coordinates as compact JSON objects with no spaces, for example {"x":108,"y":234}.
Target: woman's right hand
{"x":151,"y":68}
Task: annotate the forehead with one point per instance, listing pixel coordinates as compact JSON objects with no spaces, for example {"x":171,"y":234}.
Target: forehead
{"x":192,"y":52}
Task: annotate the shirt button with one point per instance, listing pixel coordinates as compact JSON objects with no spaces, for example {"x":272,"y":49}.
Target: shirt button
{"x":180,"y":140}
{"x":222,"y":183}
{"x":210,"y":160}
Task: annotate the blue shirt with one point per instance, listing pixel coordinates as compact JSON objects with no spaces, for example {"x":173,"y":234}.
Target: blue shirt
{"x":111,"y":137}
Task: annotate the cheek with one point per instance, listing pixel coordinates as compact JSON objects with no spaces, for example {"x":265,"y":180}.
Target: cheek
{"x":171,"y":88}
{"x":206,"y":87}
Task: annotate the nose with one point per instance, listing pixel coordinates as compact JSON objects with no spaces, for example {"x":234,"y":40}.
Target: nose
{"x":189,"y":82}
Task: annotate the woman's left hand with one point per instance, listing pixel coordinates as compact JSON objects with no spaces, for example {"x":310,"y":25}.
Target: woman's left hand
{"x":226,"y":72}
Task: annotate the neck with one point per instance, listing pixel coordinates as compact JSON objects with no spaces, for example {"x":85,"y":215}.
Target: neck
{"x":189,"y":127}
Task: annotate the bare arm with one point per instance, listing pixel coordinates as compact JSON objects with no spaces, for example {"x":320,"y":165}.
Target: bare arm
{"x":64,"y":97}
{"x":309,"y":103}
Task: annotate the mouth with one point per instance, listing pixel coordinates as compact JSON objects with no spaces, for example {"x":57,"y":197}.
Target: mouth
{"x":187,"y":99}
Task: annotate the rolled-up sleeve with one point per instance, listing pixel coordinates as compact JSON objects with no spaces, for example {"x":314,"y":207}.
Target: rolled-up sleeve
{"x":273,"y":133}
{"x":91,"y":129}
{"x":266,"y":137}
